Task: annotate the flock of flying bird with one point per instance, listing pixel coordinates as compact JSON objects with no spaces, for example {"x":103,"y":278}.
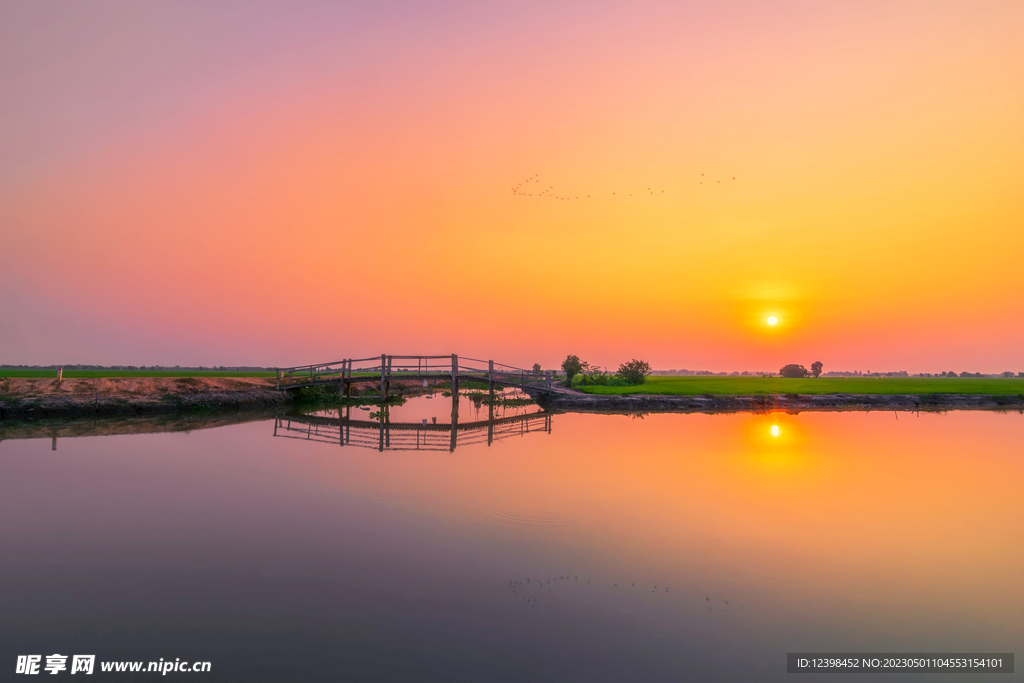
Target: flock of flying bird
{"x":531,"y":187}
{"x":527,"y":591}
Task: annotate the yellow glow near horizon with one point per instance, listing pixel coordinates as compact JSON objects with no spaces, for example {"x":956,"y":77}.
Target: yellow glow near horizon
{"x":775,"y":430}
{"x":772,"y":320}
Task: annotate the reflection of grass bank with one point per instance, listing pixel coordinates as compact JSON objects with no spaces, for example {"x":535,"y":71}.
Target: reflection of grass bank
{"x":130,"y":424}
{"x":754,"y":386}
{"x":484,"y":398}
{"x":327,"y":395}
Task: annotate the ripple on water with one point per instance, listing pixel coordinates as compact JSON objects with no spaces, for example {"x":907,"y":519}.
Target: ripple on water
{"x":413,"y":496}
{"x":536,"y":519}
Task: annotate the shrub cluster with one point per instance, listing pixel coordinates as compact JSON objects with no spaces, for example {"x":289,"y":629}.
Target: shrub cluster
{"x":629,"y":374}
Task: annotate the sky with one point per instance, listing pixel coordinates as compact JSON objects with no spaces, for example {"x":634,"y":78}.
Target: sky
{"x":258,"y":183}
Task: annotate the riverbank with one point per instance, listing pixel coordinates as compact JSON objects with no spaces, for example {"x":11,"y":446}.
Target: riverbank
{"x":22,"y":398}
{"x":699,"y":385}
{"x":793,"y":403}
{"x":36,"y":398}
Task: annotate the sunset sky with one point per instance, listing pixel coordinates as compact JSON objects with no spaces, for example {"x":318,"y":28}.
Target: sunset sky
{"x":257,"y":183}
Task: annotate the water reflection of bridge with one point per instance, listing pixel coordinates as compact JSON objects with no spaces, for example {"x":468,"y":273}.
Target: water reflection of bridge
{"x":383,"y":434}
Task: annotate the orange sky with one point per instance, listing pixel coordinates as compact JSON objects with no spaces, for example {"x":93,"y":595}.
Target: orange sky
{"x":250,"y":184}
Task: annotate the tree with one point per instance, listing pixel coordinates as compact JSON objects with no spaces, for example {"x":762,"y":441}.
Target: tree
{"x":635,"y":371}
{"x":572,"y":366}
{"x":793,"y":370}
{"x":536,"y":367}
{"x":816,"y":367}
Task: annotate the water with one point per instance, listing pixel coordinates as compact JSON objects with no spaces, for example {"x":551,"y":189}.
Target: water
{"x":610,"y":548}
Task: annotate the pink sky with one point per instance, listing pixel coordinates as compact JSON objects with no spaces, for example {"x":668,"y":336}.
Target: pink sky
{"x":259,"y":184}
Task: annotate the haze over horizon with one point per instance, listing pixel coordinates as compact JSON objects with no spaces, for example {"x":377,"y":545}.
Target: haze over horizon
{"x":264,"y":184}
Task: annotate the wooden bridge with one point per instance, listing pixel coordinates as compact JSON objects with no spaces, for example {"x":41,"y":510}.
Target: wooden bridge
{"x":384,"y":369}
{"x":383,"y":434}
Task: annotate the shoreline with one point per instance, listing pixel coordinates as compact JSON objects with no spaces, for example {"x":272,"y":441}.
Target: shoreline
{"x":32,"y":399}
{"x":791,"y":403}
{"x":126,"y":397}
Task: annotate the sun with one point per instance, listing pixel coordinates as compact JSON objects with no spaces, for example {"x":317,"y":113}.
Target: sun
{"x":775,"y":430}
{"x":772,"y":320}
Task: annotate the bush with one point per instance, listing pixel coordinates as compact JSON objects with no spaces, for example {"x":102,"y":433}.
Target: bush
{"x":793,"y":370}
{"x":594,"y":377}
{"x":634,"y":372}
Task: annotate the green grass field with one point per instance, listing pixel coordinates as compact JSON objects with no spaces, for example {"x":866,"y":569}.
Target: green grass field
{"x":70,"y":374}
{"x":747,"y":386}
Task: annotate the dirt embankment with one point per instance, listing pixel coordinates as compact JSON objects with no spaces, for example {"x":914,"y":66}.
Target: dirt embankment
{"x":793,"y":403}
{"x":37,"y":398}
{"x":110,"y":425}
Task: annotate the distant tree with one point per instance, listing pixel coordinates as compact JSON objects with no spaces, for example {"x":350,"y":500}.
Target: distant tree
{"x":536,"y":367}
{"x":1008,"y":374}
{"x":635,"y":371}
{"x":572,"y":366}
{"x":816,"y":367}
{"x":793,"y":370}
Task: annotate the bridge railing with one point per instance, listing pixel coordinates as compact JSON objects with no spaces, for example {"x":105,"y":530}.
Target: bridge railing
{"x":388,"y":436}
{"x":389,"y":367}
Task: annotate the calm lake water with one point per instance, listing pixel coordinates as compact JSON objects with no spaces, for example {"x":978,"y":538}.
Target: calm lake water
{"x":573,"y":548}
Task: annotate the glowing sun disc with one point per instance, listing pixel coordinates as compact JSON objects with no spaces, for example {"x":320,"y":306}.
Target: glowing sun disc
{"x":775,"y":430}
{"x":772,"y":320}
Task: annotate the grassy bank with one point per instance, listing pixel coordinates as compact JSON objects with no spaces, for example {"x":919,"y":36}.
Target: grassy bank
{"x":753,"y":386}
{"x":70,"y":374}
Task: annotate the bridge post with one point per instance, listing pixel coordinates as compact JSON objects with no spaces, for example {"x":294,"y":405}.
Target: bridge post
{"x":348,"y":384}
{"x":383,"y":361}
{"x":279,"y":379}
{"x":455,"y":384}
{"x":490,"y":379}
{"x":547,"y":379}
